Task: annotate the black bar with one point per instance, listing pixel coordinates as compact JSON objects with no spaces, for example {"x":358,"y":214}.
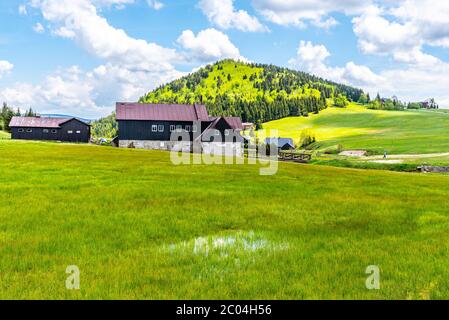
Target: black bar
{"x":226,"y":309}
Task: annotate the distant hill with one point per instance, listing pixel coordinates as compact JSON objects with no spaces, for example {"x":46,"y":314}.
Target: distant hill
{"x":256,"y":92}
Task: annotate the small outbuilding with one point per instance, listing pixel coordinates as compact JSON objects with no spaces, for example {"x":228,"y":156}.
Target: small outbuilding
{"x":283,"y":144}
{"x":49,"y":129}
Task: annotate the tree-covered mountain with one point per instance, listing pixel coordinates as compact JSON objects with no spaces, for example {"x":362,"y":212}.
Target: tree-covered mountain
{"x":255,"y":92}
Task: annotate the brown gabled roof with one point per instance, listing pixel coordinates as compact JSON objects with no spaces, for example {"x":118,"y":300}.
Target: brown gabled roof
{"x":234,"y":123}
{"x":161,"y":112}
{"x":38,"y":122}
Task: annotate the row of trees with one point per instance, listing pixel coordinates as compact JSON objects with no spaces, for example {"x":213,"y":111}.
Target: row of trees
{"x":395,"y":104}
{"x":8,"y":112}
{"x":264,"y":109}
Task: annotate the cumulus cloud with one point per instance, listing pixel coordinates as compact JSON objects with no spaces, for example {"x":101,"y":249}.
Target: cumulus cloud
{"x":5,"y":67}
{"x":79,"y":20}
{"x":63,"y":88}
{"x":119,"y":4}
{"x":154,"y":4}
{"x":302,"y":12}
{"x":222,"y":14}
{"x":312,"y":58}
{"x":38,"y":28}
{"x":414,"y":82}
{"x":209,"y":45}
{"x":86,"y":93}
{"x":23,"y":10}
{"x":401,"y":29}
{"x":131,"y":66}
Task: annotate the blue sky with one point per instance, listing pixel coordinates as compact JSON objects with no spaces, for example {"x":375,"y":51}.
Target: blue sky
{"x":80,"y":56}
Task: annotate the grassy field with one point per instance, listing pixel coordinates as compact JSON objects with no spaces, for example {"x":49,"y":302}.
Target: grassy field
{"x":4,"y":135}
{"x":359,"y":128}
{"x":139,"y":227}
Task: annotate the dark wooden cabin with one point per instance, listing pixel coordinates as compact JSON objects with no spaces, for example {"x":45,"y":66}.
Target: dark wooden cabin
{"x":49,"y":129}
{"x":283,"y":144}
{"x":157,"y":122}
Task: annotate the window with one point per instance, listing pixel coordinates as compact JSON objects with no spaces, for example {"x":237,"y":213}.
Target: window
{"x":70,"y":132}
{"x":54,"y":131}
{"x":78,"y":132}
{"x":188,"y":128}
{"x":46,"y":131}
{"x":194,"y":128}
{"x":154,"y":128}
{"x":226,"y":132}
{"x":161,"y":128}
{"x":178,"y":128}
{"x":172,"y":128}
{"x":21,"y":130}
{"x":29,"y":130}
{"x":216,"y":133}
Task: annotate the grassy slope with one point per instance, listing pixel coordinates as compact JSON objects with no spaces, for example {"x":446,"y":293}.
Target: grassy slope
{"x":209,"y":86}
{"x":4,"y":135}
{"x":359,"y":128}
{"x":312,"y":231}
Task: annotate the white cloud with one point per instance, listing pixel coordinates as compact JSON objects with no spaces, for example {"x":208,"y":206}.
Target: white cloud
{"x":301,"y":12}
{"x":23,"y":10}
{"x":154,"y":4}
{"x":417,"y":83}
{"x":209,"y":45}
{"x":38,"y":28}
{"x":131,"y":66}
{"x":118,"y":4}
{"x":402,"y":28}
{"x":5,"y":67}
{"x":79,"y":20}
{"x":414,"y":82}
{"x":312,"y":58}
{"x":222,"y":14}
{"x":88,"y":94}
{"x":62,"y":92}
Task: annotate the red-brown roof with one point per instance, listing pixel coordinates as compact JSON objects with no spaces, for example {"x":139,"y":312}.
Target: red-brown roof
{"x":37,"y":122}
{"x":161,"y":112}
{"x":234,"y":123}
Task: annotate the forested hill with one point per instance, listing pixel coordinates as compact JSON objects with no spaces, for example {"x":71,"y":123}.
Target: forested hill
{"x":255,"y":92}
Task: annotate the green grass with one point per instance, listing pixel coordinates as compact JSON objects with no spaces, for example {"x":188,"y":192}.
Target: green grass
{"x":4,"y":135}
{"x":359,"y":128}
{"x":139,"y":227}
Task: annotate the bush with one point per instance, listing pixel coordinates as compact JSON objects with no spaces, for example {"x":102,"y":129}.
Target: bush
{"x":306,"y":138}
{"x":341,"y":101}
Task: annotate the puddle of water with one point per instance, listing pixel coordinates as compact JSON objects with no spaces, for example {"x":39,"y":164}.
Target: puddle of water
{"x":239,"y":243}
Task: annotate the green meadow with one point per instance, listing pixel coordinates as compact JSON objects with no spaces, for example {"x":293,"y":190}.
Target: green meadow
{"x":139,"y":227}
{"x":355,"y":127}
{"x":4,"y":135}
